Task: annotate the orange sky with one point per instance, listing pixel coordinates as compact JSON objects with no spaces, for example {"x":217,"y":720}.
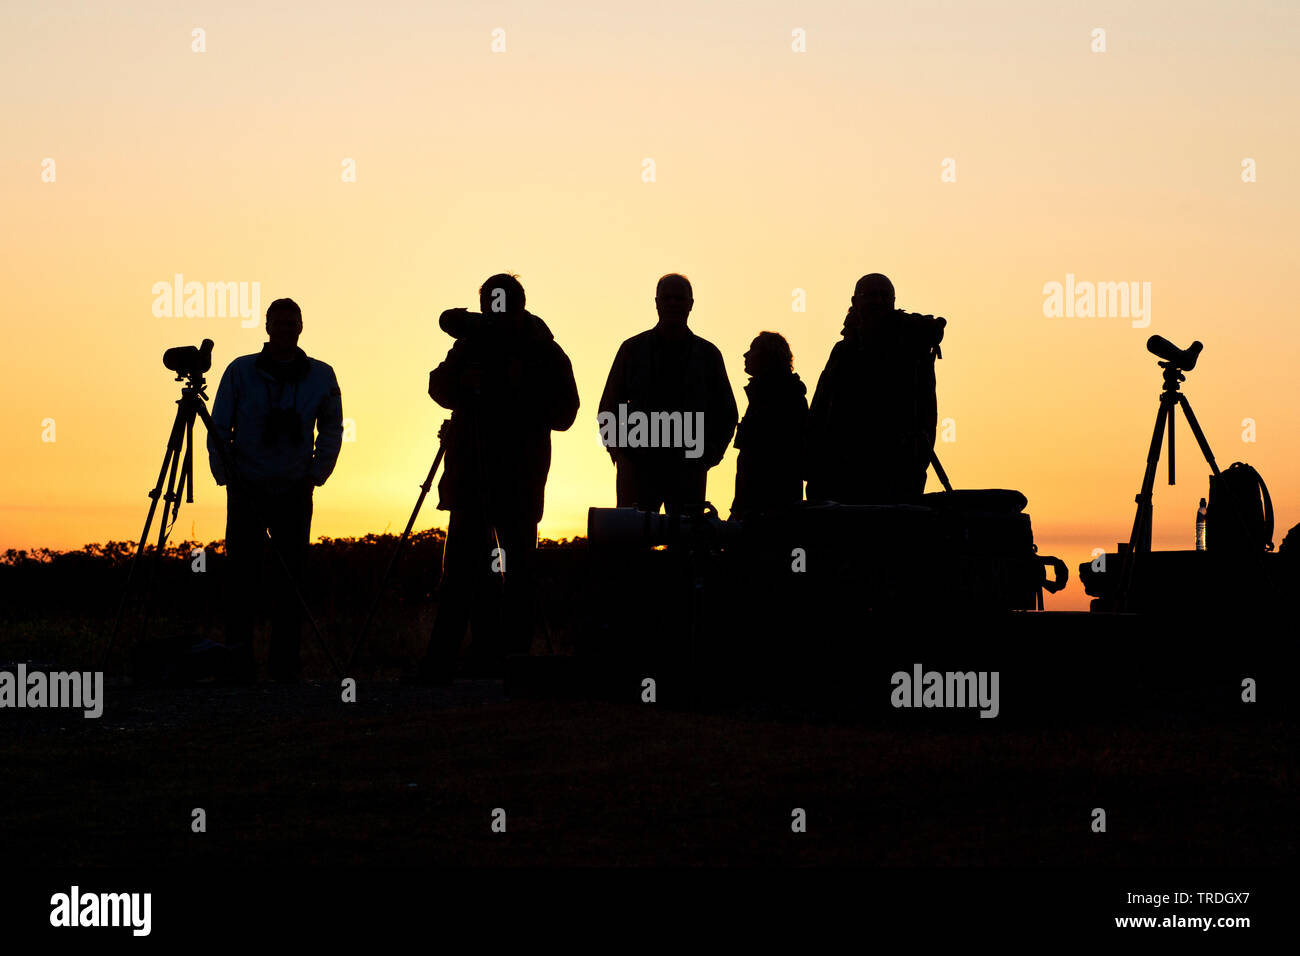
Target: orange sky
{"x":775,"y":170}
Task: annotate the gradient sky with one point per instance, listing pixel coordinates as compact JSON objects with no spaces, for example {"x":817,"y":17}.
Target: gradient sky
{"x":776,"y":170}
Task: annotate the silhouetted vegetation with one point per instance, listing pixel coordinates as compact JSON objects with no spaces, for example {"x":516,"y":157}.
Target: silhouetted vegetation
{"x":59,"y":605}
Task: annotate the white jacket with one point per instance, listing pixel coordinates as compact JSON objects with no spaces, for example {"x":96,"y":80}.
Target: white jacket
{"x":247,"y":393}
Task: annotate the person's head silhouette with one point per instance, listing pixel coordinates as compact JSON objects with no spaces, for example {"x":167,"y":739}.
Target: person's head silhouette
{"x":283,"y":326}
{"x":673,"y":301}
{"x":502,"y":295}
{"x":769,"y":353}
{"x":873,"y":297}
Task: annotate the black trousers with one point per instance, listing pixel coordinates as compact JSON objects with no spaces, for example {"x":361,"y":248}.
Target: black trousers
{"x":488,"y":590}
{"x":647,"y":484}
{"x":287,"y":515}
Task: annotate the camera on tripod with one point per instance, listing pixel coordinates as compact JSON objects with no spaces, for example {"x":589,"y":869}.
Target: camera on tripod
{"x":188,"y":361}
{"x":1182,"y":359}
{"x":1238,"y":524}
{"x":176,"y":478}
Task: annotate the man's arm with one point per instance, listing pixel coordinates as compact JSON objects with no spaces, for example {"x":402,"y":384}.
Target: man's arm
{"x":615,"y":391}
{"x":720,"y":419}
{"x":329,"y":432}
{"x":221,"y":434}
{"x":817,"y":426}
{"x":561,"y":391}
{"x":445,"y":385}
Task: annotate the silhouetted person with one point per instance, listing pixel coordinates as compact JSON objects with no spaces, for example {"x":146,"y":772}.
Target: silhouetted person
{"x":270,"y":407}
{"x":873,"y":416}
{"x":508,"y":385}
{"x":667,"y":413}
{"x":770,"y":438}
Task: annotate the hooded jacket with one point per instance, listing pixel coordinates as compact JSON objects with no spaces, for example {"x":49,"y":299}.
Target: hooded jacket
{"x":266,"y":451}
{"x":498,"y":445}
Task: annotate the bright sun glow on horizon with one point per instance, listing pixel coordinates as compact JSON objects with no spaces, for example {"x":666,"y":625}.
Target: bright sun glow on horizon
{"x":775,"y":171}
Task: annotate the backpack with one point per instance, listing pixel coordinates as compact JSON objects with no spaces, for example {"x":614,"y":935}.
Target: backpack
{"x":925,"y":403}
{"x":1239,"y":516}
{"x":1290,"y":544}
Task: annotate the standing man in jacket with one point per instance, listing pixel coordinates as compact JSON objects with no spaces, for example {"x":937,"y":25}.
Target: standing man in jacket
{"x":667,"y":413}
{"x":280,"y":415}
{"x":508,"y":385}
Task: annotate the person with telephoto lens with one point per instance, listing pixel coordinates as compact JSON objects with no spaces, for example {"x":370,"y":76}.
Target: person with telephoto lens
{"x":508,"y":385}
{"x":873,"y":417}
{"x":280,"y":414}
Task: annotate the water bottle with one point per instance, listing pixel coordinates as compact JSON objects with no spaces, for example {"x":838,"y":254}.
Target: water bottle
{"x":1200,"y":526}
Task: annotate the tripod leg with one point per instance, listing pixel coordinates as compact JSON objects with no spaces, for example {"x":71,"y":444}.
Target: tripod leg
{"x":155,"y":493}
{"x":938,"y":470}
{"x":1197,"y":433}
{"x":392,"y":561}
{"x":1140,"y":537}
{"x":1173,"y":430}
{"x":187,"y":476}
{"x":171,"y":502}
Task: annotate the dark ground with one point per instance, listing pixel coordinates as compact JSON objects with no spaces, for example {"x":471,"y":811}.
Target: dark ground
{"x":790,"y":708}
{"x":407,"y":775}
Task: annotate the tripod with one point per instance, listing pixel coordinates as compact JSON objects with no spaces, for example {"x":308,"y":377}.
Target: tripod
{"x":938,"y":470}
{"x":1171,"y":397}
{"x":443,"y":441}
{"x":178,"y":466}
{"x":397,"y":549}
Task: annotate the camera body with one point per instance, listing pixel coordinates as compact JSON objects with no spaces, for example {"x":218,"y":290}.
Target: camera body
{"x":1182,"y":359}
{"x":186,"y":360}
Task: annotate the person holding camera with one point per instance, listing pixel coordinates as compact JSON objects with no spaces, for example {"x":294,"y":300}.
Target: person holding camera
{"x":508,"y":385}
{"x":280,"y":414}
{"x":873,"y":417}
